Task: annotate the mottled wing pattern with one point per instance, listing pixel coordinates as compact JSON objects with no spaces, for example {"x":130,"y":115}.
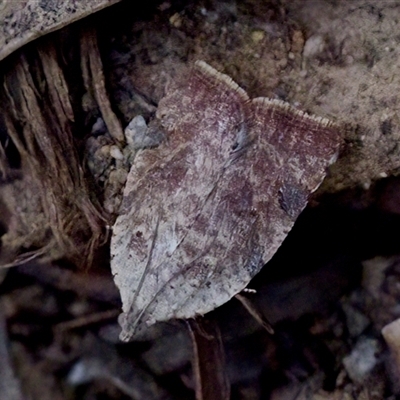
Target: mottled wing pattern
{"x":204,"y":212}
{"x":263,"y":188}
{"x":167,"y":188}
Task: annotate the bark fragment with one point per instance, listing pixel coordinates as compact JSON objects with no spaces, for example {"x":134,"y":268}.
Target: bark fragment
{"x":209,"y":369}
{"x":39,"y":119}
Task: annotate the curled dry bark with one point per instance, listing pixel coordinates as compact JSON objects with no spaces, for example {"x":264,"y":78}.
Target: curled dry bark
{"x":93,"y":78}
{"x":39,"y":119}
{"x":49,"y":210}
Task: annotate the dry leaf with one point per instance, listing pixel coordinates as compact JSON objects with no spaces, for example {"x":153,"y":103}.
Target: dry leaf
{"x":25,"y":20}
{"x":204,"y":211}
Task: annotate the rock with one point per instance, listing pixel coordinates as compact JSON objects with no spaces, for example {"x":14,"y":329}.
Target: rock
{"x":362,"y":359}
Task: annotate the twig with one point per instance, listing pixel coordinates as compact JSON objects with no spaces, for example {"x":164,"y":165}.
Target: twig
{"x":248,"y":305}
{"x":208,"y":361}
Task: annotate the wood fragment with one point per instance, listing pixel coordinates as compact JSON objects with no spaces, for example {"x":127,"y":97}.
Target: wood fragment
{"x":208,"y":361}
{"x":86,"y":320}
{"x":248,"y":305}
{"x":92,"y":64}
{"x":39,"y":121}
{"x":4,"y":167}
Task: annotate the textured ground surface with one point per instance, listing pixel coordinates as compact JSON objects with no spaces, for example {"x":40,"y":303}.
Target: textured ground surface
{"x":335,"y":59}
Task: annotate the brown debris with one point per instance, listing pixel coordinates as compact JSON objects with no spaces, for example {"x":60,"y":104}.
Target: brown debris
{"x":255,"y":313}
{"x":209,"y":369}
{"x":85,"y":321}
{"x":94,"y":82}
{"x":49,"y":156}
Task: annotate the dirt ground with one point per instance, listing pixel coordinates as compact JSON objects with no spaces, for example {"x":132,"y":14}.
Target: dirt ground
{"x":330,"y":289}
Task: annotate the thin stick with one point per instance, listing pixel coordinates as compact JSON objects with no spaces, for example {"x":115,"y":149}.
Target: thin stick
{"x":248,"y":305}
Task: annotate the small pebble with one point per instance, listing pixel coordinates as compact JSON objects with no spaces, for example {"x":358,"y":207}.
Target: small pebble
{"x":105,"y":150}
{"x":257,"y":36}
{"x":357,"y":322}
{"x":362,"y":359}
{"x":135,"y":132}
{"x":313,"y":46}
{"x":116,"y":153}
{"x":176,"y":20}
{"x":99,"y":127}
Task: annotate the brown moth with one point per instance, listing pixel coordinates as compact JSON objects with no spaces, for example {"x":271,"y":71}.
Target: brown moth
{"x":203,"y":212}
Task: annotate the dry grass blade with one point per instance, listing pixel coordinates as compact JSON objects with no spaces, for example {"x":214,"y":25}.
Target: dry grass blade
{"x":86,"y":321}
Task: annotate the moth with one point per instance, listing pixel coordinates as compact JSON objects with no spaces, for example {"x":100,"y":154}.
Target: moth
{"x":205,"y":210}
